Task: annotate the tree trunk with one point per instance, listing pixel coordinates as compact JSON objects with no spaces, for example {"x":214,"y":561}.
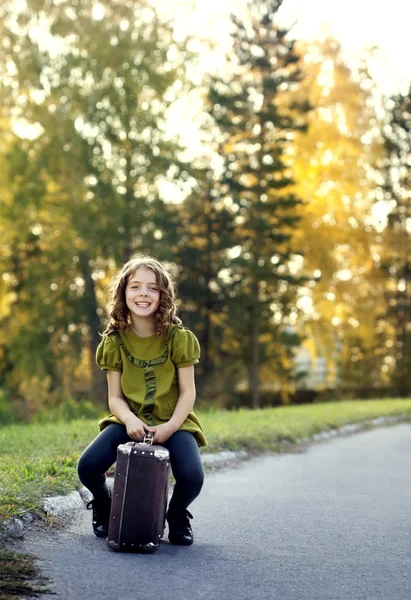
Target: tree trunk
{"x":254,"y":369}
{"x":99,"y":391}
{"x":402,"y":367}
{"x":208,"y":300}
{"x":98,"y":386}
{"x":205,"y":352}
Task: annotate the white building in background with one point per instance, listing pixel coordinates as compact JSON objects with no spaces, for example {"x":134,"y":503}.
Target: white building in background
{"x":313,"y":372}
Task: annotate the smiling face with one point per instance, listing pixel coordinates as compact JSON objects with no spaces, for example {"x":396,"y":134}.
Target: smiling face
{"x":142,"y":293}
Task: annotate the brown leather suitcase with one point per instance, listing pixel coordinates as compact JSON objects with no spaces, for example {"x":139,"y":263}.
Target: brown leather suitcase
{"x":140,"y":491}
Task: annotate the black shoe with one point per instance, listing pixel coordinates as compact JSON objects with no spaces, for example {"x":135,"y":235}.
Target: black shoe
{"x":179,"y":528}
{"x":101,"y":515}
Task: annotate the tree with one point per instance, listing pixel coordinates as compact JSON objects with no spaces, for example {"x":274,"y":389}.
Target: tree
{"x":335,"y":167}
{"x":86,"y":188}
{"x":256,"y":132}
{"x":395,"y":245}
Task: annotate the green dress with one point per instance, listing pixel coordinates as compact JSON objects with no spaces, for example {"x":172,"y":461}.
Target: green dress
{"x":148,"y":369}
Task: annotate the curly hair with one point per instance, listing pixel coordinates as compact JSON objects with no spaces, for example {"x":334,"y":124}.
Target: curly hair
{"x":117,"y":309}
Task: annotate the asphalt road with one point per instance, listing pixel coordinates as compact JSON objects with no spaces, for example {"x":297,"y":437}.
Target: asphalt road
{"x":332,"y":522}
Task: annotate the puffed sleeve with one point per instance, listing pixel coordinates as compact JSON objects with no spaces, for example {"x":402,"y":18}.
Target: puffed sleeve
{"x":108,"y":356}
{"x":186,"y":349}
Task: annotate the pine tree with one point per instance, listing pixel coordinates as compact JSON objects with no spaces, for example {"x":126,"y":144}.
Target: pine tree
{"x":256,"y":130}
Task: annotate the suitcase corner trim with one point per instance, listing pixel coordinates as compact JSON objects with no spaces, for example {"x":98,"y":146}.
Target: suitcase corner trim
{"x":145,"y":548}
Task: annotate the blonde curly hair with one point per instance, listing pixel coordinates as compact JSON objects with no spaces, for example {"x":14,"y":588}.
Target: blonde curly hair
{"x":117,"y":310}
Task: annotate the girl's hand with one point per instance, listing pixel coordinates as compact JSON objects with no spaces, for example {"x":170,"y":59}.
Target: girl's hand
{"x":162,"y":433}
{"x":136,"y":429}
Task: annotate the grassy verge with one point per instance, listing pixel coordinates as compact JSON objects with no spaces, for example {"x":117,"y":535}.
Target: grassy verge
{"x":267,"y":429}
{"x":40,"y":460}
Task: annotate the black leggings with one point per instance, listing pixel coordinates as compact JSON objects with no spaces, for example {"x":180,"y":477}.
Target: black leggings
{"x":185,"y":461}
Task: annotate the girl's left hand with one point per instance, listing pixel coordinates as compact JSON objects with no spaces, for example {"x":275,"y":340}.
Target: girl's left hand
{"x":162,"y":433}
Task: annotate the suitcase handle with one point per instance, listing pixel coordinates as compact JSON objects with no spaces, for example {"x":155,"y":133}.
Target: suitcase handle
{"x":148,"y":438}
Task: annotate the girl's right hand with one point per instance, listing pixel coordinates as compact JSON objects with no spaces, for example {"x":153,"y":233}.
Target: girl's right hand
{"x":135,"y":428}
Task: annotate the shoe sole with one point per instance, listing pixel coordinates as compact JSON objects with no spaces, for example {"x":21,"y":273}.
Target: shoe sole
{"x":100,"y":534}
{"x":181,"y":543}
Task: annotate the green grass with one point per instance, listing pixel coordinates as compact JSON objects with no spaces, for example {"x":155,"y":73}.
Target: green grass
{"x":268,"y":428}
{"x":40,"y":459}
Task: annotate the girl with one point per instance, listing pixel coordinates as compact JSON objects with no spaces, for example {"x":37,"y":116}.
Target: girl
{"x":149,"y":358}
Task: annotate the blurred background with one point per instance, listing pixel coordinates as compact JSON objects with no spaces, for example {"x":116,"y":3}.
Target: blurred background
{"x":261,"y":149}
